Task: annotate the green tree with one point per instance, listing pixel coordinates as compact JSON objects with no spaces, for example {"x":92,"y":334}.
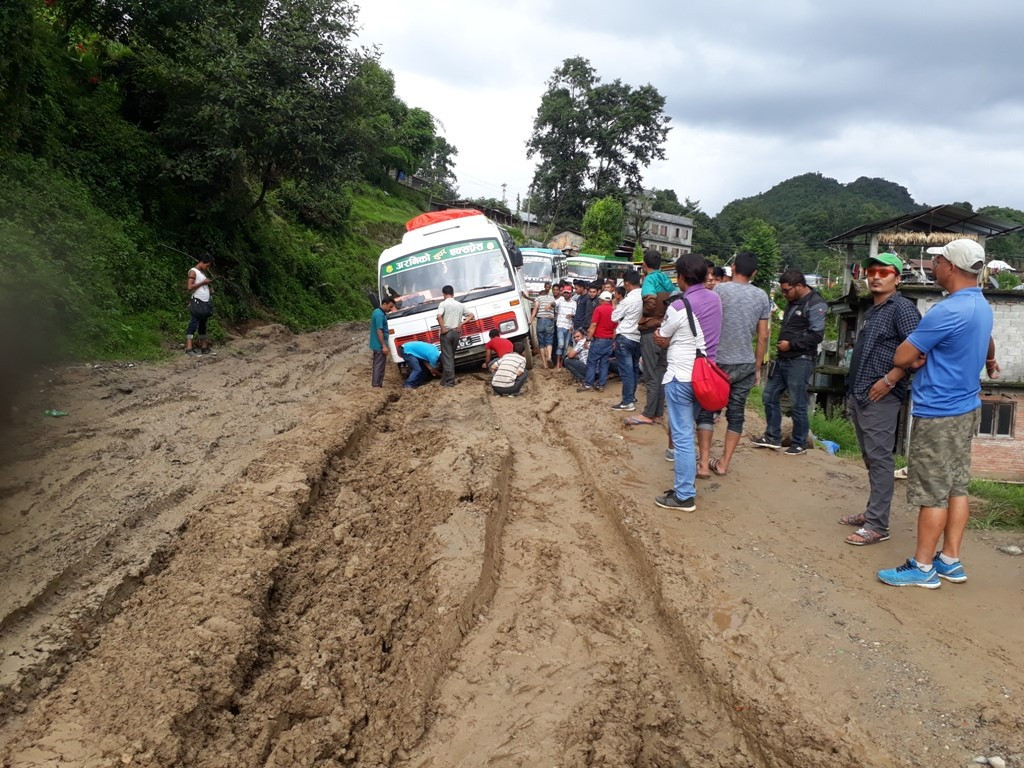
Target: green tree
{"x":246,"y":95}
{"x":602,"y":226}
{"x":492,"y":202}
{"x":592,"y":140}
{"x":759,"y":237}
{"x":438,"y":170}
{"x":665,"y":200}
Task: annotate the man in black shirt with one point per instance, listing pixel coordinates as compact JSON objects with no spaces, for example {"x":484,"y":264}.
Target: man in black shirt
{"x":876,"y":390}
{"x":803,"y":328}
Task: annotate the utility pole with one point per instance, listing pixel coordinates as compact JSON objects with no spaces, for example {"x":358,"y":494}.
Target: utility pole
{"x":503,"y":187}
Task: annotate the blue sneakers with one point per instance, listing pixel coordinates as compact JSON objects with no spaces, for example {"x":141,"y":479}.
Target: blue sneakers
{"x":954,"y":572}
{"x":909,"y":575}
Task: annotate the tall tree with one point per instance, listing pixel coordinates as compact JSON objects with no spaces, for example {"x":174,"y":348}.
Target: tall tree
{"x":760,"y":238}
{"x":602,"y":226}
{"x":438,"y":170}
{"x":593,"y":140}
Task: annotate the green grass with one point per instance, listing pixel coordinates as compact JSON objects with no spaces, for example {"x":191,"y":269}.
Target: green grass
{"x":838,"y":430}
{"x":1002,"y":505}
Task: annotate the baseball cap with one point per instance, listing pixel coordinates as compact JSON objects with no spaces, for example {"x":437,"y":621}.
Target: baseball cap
{"x":566,"y":289}
{"x":605,"y":296}
{"x":888,"y":259}
{"x":968,"y":255}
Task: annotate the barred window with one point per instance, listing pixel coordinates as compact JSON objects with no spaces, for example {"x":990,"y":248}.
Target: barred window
{"x":996,"y":419}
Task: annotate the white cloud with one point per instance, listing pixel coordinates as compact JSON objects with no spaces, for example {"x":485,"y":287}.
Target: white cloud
{"x":923,"y":94}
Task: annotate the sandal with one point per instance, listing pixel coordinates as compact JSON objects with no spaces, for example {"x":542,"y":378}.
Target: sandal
{"x":714,"y":465}
{"x":854,"y":520}
{"x":864,"y":536}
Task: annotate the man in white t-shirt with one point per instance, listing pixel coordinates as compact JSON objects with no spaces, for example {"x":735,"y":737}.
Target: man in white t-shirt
{"x":565,"y":310}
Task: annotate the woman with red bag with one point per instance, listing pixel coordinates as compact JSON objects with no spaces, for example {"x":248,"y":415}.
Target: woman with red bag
{"x":682,"y":343}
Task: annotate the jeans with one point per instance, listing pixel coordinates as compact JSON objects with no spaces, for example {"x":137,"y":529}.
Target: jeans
{"x":564,"y":337}
{"x":792,"y":376}
{"x":655,"y":362}
{"x":741,"y":381}
{"x":876,"y":432}
{"x":449,"y":341}
{"x":418,"y":372}
{"x":627,"y":355}
{"x":545,"y":331}
{"x":577,"y":368}
{"x":597,"y":362}
{"x":196,"y":324}
{"x":682,"y":409}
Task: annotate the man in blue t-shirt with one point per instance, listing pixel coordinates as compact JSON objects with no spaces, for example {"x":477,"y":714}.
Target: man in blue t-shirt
{"x":948,"y":349}
{"x":422,"y":359}
{"x":379,"y":340}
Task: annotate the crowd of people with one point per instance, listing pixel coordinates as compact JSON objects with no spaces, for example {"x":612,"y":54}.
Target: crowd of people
{"x":650,"y":330}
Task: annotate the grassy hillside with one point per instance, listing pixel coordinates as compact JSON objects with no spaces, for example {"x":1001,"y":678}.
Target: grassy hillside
{"x":81,"y":283}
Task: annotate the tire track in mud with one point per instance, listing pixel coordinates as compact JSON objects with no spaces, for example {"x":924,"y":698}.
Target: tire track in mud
{"x":573,"y":663}
{"x":377,"y":584}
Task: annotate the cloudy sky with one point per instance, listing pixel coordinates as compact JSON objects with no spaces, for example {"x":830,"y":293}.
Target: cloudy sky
{"x":926,"y":94}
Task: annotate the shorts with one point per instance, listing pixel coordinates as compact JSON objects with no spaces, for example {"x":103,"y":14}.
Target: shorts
{"x":940,"y":458}
{"x":545,"y":331}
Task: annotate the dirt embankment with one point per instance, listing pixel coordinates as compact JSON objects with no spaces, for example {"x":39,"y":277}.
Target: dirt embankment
{"x":257,"y":560}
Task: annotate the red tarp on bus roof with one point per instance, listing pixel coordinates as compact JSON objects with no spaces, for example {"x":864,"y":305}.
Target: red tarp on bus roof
{"x":434,"y":217}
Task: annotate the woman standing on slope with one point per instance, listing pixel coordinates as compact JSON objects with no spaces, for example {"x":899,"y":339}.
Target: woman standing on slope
{"x":199,"y":306}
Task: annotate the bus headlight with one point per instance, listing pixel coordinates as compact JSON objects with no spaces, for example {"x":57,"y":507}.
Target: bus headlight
{"x":508,"y":326}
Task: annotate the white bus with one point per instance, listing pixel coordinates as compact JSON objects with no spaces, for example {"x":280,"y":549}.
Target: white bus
{"x":475,"y":256}
{"x":541,"y":265}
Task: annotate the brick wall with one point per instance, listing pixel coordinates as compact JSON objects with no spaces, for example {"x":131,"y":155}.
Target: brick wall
{"x":1001,"y":458}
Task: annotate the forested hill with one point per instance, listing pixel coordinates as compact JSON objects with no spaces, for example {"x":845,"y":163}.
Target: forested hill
{"x":807,"y":210}
{"x":135,"y":133}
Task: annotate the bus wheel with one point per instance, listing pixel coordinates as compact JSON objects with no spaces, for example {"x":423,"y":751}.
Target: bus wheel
{"x":528,"y":354}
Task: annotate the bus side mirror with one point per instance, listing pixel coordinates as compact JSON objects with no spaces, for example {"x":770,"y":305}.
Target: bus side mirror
{"x":516,"y":256}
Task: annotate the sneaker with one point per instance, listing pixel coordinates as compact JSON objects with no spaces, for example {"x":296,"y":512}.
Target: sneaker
{"x":670,"y":455}
{"x":795,"y":450}
{"x":624,"y":407}
{"x":207,"y":351}
{"x":765,"y":442}
{"x":599,"y":389}
{"x":585,"y":388}
{"x":954,"y":573}
{"x":671,"y":501}
{"x":193,"y":352}
{"x":909,"y":575}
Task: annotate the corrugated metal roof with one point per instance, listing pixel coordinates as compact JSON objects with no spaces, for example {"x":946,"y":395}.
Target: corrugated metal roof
{"x":941,"y":218}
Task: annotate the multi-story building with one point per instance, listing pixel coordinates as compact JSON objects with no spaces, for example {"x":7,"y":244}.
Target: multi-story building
{"x":665,"y":232}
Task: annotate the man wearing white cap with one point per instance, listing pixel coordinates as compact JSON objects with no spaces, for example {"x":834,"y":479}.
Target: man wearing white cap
{"x":600,"y":336}
{"x":948,"y":349}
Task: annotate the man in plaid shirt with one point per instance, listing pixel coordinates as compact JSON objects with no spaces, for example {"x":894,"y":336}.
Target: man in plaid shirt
{"x":876,"y":390}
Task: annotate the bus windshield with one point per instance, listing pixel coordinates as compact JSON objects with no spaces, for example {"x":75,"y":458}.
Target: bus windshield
{"x":536,"y":268}
{"x":581,"y":270}
{"x":471,"y":267}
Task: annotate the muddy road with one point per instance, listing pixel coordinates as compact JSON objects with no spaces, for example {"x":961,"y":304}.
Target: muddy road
{"x":258,"y":560}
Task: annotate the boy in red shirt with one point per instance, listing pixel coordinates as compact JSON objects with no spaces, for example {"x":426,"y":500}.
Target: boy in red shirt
{"x":497,"y":345}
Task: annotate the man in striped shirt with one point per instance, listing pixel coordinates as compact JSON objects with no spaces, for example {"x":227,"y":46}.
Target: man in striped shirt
{"x":509,"y":373}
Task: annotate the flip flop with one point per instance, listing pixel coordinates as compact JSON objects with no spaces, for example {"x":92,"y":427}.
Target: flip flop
{"x":633,"y":421}
{"x":703,"y":476}
{"x":713,"y":465}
